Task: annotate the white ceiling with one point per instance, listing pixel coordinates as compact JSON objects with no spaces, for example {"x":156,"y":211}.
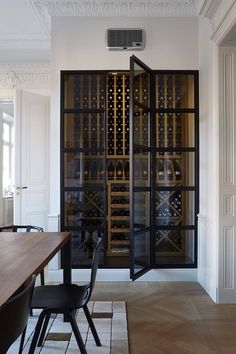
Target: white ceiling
{"x":25,"y":24}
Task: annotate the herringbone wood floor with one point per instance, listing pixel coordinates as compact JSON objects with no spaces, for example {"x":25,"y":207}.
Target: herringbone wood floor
{"x":173,"y":318}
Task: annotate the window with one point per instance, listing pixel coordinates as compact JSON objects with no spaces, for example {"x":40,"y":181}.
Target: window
{"x":8,"y":154}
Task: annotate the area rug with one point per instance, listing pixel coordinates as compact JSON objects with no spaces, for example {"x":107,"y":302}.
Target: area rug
{"x":110,"y":319}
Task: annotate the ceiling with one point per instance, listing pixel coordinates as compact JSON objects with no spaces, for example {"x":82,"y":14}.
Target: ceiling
{"x":25,"y":24}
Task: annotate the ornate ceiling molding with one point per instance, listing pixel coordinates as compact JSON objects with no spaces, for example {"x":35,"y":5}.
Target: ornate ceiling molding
{"x":139,"y":8}
{"x":30,"y":75}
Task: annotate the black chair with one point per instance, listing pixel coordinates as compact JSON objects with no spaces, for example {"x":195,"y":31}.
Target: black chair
{"x":24,"y":228}
{"x":14,"y":316}
{"x":65,"y":299}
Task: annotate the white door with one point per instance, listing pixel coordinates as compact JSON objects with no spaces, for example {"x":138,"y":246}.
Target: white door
{"x":31,"y":197}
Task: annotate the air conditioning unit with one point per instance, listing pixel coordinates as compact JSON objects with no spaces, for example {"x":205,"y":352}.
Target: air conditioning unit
{"x":125,"y":39}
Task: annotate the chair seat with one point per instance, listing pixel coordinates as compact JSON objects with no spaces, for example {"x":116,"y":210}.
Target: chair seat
{"x":64,"y":296}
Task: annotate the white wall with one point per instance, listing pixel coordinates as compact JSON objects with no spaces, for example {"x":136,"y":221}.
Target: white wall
{"x":79,"y":44}
{"x":209,"y":150}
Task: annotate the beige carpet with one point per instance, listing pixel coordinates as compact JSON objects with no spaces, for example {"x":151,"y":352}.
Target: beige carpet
{"x":110,"y":319}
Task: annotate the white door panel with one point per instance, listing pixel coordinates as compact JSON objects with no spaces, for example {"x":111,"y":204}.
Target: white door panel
{"x":32,"y":159}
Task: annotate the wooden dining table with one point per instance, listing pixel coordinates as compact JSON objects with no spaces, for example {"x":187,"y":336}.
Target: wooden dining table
{"x":25,"y":253}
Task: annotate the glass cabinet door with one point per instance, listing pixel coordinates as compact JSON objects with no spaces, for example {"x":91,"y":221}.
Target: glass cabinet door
{"x":83,"y":197}
{"x":175,"y":169}
{"x":140,"y":160}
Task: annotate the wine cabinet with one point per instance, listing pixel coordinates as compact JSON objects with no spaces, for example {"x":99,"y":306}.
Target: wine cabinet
{"x":129,"y":166}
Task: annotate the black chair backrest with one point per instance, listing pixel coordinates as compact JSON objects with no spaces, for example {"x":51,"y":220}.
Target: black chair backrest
{"x":14,"y":315}
{"x":21,"y":228}
{"x":94,"y":268}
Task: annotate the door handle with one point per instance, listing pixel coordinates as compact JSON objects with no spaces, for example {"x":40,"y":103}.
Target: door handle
{"x":18,"y":189}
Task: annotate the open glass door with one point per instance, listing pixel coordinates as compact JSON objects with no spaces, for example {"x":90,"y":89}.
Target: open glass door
{"x":140,"y":169}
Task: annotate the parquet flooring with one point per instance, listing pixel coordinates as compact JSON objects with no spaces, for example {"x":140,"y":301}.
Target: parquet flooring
{"x":173,"y":318}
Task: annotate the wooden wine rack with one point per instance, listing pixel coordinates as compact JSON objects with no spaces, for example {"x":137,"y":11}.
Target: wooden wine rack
{"x":118,"y":247}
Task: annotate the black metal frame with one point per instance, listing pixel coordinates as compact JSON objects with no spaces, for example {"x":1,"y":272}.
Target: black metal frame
{"x":63,"y":150}
{"x":154,"y":149}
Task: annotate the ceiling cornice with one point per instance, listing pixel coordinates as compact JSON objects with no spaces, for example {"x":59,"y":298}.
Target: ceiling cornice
{"x":25,"y":75}
{"x":45,"y":9}
{"x":209,"y":8}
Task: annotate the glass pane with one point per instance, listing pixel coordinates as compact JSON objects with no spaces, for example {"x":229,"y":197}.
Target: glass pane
{"x":141,"y":127}
{"x":141,"y":169}
{"x":84,"y":209}
{"x":141,"y":210}
{"x":83,"y":169}
{"x":83,"y":244}
{"x":118,"y":170}
{"x":84,"y":91}
{"x":174,"y":247}
{"x":141,"y":85}
{"x":118,"y":100}
{"x":83,"y":130}
{"x":175,"y":169}
{"x":175,"y":130}
{"x":141,"y":251}
{"x":175,"y":207}
{"x":174,"y":91}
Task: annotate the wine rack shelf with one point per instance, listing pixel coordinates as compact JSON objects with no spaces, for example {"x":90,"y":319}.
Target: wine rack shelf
{"x":118,"y":225}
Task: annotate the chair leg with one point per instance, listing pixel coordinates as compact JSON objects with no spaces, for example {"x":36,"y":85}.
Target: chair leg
{"x":91,"y":325}
{"x":43,"y":331}
{"x":76,"y":331}
{"x":22,"y":341}
{"x":37,"y":332}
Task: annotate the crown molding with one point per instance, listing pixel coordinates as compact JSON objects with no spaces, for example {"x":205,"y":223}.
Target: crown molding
{"x":25,"y":75}
{"x":131,"y":8}
{"x":24,"y":42}
{"x":209,"y":8}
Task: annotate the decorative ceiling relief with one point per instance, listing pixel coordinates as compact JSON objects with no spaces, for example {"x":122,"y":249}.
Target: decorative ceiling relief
{"x":24,"y":75}
{"x":153,"y":8}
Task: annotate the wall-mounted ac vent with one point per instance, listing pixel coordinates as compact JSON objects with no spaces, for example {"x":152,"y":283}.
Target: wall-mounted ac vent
{"x":125,"y":39}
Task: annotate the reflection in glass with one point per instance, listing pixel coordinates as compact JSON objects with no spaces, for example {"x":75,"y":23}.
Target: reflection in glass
{"x":141,"y":127}
{"x":83,"y":169}
{"x":174,"y":247}
{"x":142,"y":210}
{"x":175,"y":130}
{"x":141,"y":163}
{"x":175,"y":208}
{"x":175,"y":169}
{"x":174,"y":91}
{"x":83,"y":130}
{"x":141,"y":251}
{"x":84,"y":208}
{"x":141,"y":84}
{"x":83,"y":244}
{"x":84,"y":91}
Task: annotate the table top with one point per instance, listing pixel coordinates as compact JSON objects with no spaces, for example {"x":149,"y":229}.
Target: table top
{"x":23,"y":254}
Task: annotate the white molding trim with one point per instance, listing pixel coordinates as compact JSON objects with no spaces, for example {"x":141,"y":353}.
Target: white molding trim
{"x":209,"y":8}
{"x":124,"y":275}
{"x":27,"y":75}
{"x":133,"y":8}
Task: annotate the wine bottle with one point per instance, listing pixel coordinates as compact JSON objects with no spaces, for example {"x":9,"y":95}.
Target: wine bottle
{"x":160,"y":170}
{"x":177,"y":169}
{"x":119,"y":170}
{"x":169,"y":170}
{"x":111,"y":170}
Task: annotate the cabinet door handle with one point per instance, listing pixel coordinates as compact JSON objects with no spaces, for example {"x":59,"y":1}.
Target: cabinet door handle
{"x":18,"y":188}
